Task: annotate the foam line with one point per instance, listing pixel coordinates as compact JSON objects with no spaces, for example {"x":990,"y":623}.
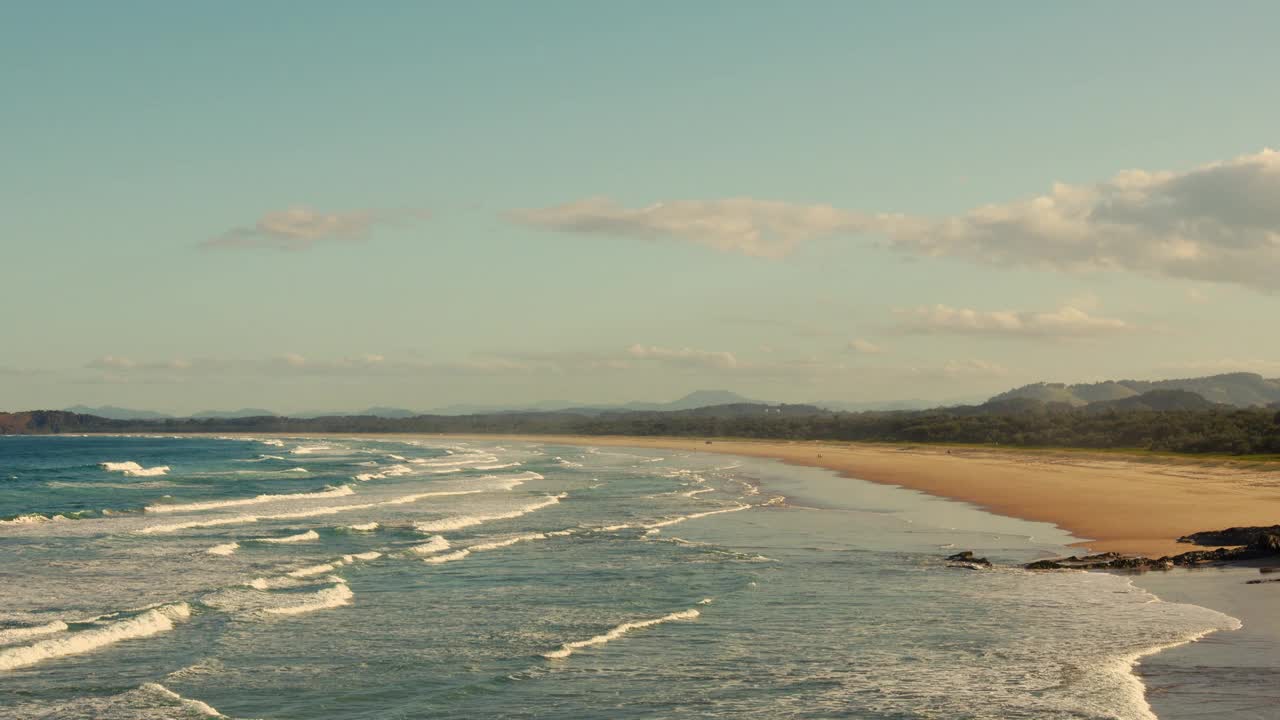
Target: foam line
{"x":224,"y":549}
{"x":188,"y":706}
{"x":341,"y":491}
{"x":151,"y":622}
{"x":17,"y":634}
{"x":458,"y":522}
{"x":297,"y":515}
{"x":694,"y":516}
{"x":331,"y":597}
{"x":287,"y":539}
{"x":568,"y":649}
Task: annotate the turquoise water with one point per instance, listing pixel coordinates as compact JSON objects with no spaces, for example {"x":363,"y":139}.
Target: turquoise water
{"x":326,"y":578}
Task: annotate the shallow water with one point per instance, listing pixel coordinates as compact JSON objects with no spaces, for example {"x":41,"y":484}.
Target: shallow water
{"x":312,"y":578}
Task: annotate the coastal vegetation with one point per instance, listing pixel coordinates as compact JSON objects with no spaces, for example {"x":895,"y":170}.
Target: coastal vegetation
{"x":1175,"y":421}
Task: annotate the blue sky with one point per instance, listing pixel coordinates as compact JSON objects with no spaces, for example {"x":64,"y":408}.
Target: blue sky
{"x":418,"y":204}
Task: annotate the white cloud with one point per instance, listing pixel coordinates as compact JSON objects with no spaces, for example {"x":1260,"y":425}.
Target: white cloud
{"x":961,"y":369}
{"x":298,"y":228}
{"x":1063,"y":323}
{"x":685,"y":357}
{"x":760,"y":228}
{"x":1219,"y":222}
{"x":865,"y":347}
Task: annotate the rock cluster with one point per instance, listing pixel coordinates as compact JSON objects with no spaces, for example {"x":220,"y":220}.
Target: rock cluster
{"x":1250,"y":543}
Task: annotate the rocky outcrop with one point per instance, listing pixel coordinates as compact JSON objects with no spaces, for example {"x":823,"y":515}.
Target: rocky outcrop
{"x":967,"y":559}
{"x":1253,"y":536}
{"x":1250,"y":543}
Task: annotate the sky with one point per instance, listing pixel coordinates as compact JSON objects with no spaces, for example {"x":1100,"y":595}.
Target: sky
{"x":329,"y":206}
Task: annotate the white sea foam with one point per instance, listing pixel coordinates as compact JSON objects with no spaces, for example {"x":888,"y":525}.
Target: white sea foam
{"x":363,"y":527}
{"x":224,"y":549}
{"x":331,"y":597}
{"x":272,"y":442}
{"x":434,"y":544}
{"x":501,"y":466}
{"x":9,"y":636}
{"x":371,"y":555}
{"x":568,"y":649}
{"x":296,"y":515}
{"x":340,"y":491}
{"x":32,"y":519}
{"x":676,"y":520}
{"x":150,"y":622}
{"x":389,"y":471}
{"x":119,"y":466}
{"x":458,"y":522}
{"x":308,"y":449}
{"x":300,"y":537}
{"x":312,"y":570}
{"x":188,"y":706}
{"x":447,"y":557}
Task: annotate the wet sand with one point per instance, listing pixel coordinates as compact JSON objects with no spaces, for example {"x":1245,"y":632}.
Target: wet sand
{"x":1134,"y":504}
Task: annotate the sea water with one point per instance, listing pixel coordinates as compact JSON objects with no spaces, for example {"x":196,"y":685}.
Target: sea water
{"x":279,"y":578}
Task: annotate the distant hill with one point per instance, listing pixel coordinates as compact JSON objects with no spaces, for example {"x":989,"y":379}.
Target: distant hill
{"x":112,"y":412}
{"x":376,"y":411}
{"x":230,"y":414}
{"x":695,"y":399}
{"x":1237,"y":389}
{"x":1157,"y":400}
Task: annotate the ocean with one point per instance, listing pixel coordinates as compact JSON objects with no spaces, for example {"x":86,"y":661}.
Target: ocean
{"x":291,"y":578}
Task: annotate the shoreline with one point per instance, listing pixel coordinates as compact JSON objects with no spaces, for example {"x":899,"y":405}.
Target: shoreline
{"x":1113,"y":503}
{"x":1136,"y":505}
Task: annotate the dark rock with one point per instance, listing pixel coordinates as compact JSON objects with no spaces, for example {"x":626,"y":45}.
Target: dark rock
{"x":1260,"y":582}
{"x":1236,"y":536}
{"x":967,"y":558}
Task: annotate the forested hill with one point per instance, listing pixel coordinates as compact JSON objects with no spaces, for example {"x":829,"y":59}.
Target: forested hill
{"x":1237,"y":389}
{"x":1163,"y":420}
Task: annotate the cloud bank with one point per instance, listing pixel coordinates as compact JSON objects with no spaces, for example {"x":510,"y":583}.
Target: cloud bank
{"x":1066,"y":322}
{"x":300,"y":228}
{"x":1219,"y":222}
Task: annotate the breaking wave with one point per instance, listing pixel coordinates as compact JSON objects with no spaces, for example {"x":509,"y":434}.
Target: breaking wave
{"x":151,"y":622}
{"x":300,"y":537}
{"x":9,"y":636}
{"x":224,"y":549}
{"x":568,"y":649}
{"x":458,"y":522}
{"x":330,"y":597}
{"x":340,"y":491}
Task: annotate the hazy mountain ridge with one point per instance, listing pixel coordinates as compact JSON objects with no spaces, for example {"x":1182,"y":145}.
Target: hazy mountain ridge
{"x":1236,"y":389}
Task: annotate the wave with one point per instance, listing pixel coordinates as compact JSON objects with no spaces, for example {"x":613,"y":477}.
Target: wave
{"x":459,"y":522}
{"x":502,"y":466}
{"x":300,"y":537}
{"x":447,"y":557}
{"x":223,"y":549}
{"x":694,"y":516}
{"x":568,"y":649}
{"x":457,"y":461}
{"x":333,"y":492}
{"x":362,"y":527}
{"x":272,"y":442}
{"x":119,"y":466}
{"x":434,"y":544}
{"x":390,"y":471}
{"x":331,"y":597}
{"x":150,"y":622}
{"x":296,"y":515}
{"x":188,"y":706}
{"x":9,"y":636}
{"x":133,"y":469}
{"x":32,"y":519}
{"x":371,"y":555}
{"x":312,"y":570}
{"x":308,"y":449}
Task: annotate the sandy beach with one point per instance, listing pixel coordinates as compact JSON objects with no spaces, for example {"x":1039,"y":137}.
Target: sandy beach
{"x":1134,"y":505}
